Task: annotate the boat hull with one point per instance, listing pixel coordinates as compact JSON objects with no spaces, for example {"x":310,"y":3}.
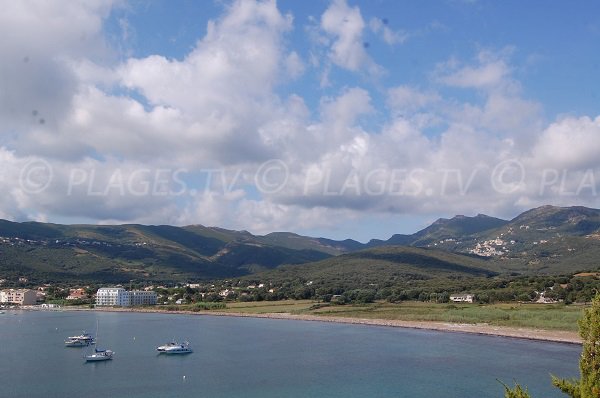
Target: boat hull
{"x":97,"y":359}
{"x":99,"y":356}
{"x":176,"y":352}
{"x":76,"y":343}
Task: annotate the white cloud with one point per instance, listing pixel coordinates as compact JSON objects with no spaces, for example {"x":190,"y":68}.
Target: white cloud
{"x":379,"y":26}
{"x":344,"y":26}
{"x":570,"y":143}
{"x":39,"y":38}
{"x":491,"y":71}
{"x":294,"y":65}
{"x":403,"y":99}
{"x":220,"y":107}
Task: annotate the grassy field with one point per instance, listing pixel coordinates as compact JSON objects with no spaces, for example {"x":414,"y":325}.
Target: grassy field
{"x":548,"y":316}
{"x":541,"y":316}
{"x":271,"y":307}
{"x":537,"y":316}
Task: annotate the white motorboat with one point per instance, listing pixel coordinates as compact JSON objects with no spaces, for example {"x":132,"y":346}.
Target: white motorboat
{"x":164,"y":347}
{"x":83,"y":340}
{"x":83,"y":337}
{"x":77,"y":343}
{"x":175,"y":348}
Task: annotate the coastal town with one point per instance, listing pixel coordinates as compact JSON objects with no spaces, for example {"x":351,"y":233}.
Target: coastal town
{"x":47,"y":296}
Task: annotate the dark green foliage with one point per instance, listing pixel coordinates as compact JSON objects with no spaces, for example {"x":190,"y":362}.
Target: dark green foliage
{"x":297,"y":242}
{"x":208,"y":306}
{"x":114,"y":254}
{"x":425,"y":260}
{"x":203,"y":245}
{"x":516,"y":392}
{"x":588,"y":385}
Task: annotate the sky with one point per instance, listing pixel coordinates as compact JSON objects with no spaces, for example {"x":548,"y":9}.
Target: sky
{"x":341,"y":119}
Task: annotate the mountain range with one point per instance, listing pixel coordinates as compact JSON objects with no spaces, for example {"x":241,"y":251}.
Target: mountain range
{"x":546,"y":239}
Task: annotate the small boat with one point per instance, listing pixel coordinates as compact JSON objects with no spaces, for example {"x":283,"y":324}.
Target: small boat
{"x":83,"y":340}
{"x":99,"y":355}
{"x":83,"y":337}
{"x":164,"y":347}
{"x":77,"y":343}
{"x":175,"y":348}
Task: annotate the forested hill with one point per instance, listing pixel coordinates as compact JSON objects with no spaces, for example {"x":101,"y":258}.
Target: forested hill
{"x":547,"y":239}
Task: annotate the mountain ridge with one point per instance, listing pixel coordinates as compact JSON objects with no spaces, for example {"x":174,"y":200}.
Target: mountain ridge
{"x":543,"y":239}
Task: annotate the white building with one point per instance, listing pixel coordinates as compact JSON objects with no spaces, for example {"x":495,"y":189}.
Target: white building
{"x":117,"y":296}
{"x":462,"y":298}
{"x":142,"y":297}
{"x":112,"y":296}
{"x":18,"y":296}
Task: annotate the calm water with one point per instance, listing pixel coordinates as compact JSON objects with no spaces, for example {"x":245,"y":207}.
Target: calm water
{"x":241,"y":357}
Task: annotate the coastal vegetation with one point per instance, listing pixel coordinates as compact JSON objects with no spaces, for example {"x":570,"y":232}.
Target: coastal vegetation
{"x":547,"y":316}
{"x":588,"y":385}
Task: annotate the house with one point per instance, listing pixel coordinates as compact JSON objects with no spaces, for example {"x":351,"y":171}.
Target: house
{"x":462,"y":298}
{"x":77,"y":294}
{"x":18,"y":296}
{"x":193,"y":285}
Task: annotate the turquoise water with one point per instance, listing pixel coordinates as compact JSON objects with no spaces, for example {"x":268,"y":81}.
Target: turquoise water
{"x":245,"y":357}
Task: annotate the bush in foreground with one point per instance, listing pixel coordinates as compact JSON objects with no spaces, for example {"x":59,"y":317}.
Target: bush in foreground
{"x":588,"y":385}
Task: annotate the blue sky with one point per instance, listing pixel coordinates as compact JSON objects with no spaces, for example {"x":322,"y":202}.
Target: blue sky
{"x":330,"y":118}
{"x":554,"y":44}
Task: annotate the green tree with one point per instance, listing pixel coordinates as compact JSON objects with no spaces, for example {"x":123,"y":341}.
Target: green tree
{"x":517,"y":392}
{"x":588,"y":386}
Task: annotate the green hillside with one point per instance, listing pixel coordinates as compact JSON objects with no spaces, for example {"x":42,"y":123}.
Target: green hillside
{"x":545,"y":240}
{"x":381,"y":266}
{"x":119,"y":253}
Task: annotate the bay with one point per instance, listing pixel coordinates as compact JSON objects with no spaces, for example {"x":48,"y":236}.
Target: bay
{"x":251,"y":357}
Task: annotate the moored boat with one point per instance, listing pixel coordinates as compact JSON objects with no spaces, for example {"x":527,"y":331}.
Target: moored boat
{"x":77,"y":343}
{"x":164,"y":347}
{"x":83,"y":337}
{"x":99,"y":355}
{"x":82,"y":340}
{"x":175,"y":348}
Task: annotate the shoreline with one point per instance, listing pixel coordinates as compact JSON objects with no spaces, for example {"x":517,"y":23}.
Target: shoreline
{"x":556,"y":336}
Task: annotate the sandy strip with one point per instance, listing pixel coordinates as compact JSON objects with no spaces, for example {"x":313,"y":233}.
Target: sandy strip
{"x":482,"y":329}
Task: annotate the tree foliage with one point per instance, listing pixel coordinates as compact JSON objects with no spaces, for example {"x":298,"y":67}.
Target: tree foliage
{"x":588,"y":385}
{"x":516,"y":392}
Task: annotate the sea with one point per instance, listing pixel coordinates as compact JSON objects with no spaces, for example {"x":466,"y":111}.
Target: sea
{"x":256,"y":357}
